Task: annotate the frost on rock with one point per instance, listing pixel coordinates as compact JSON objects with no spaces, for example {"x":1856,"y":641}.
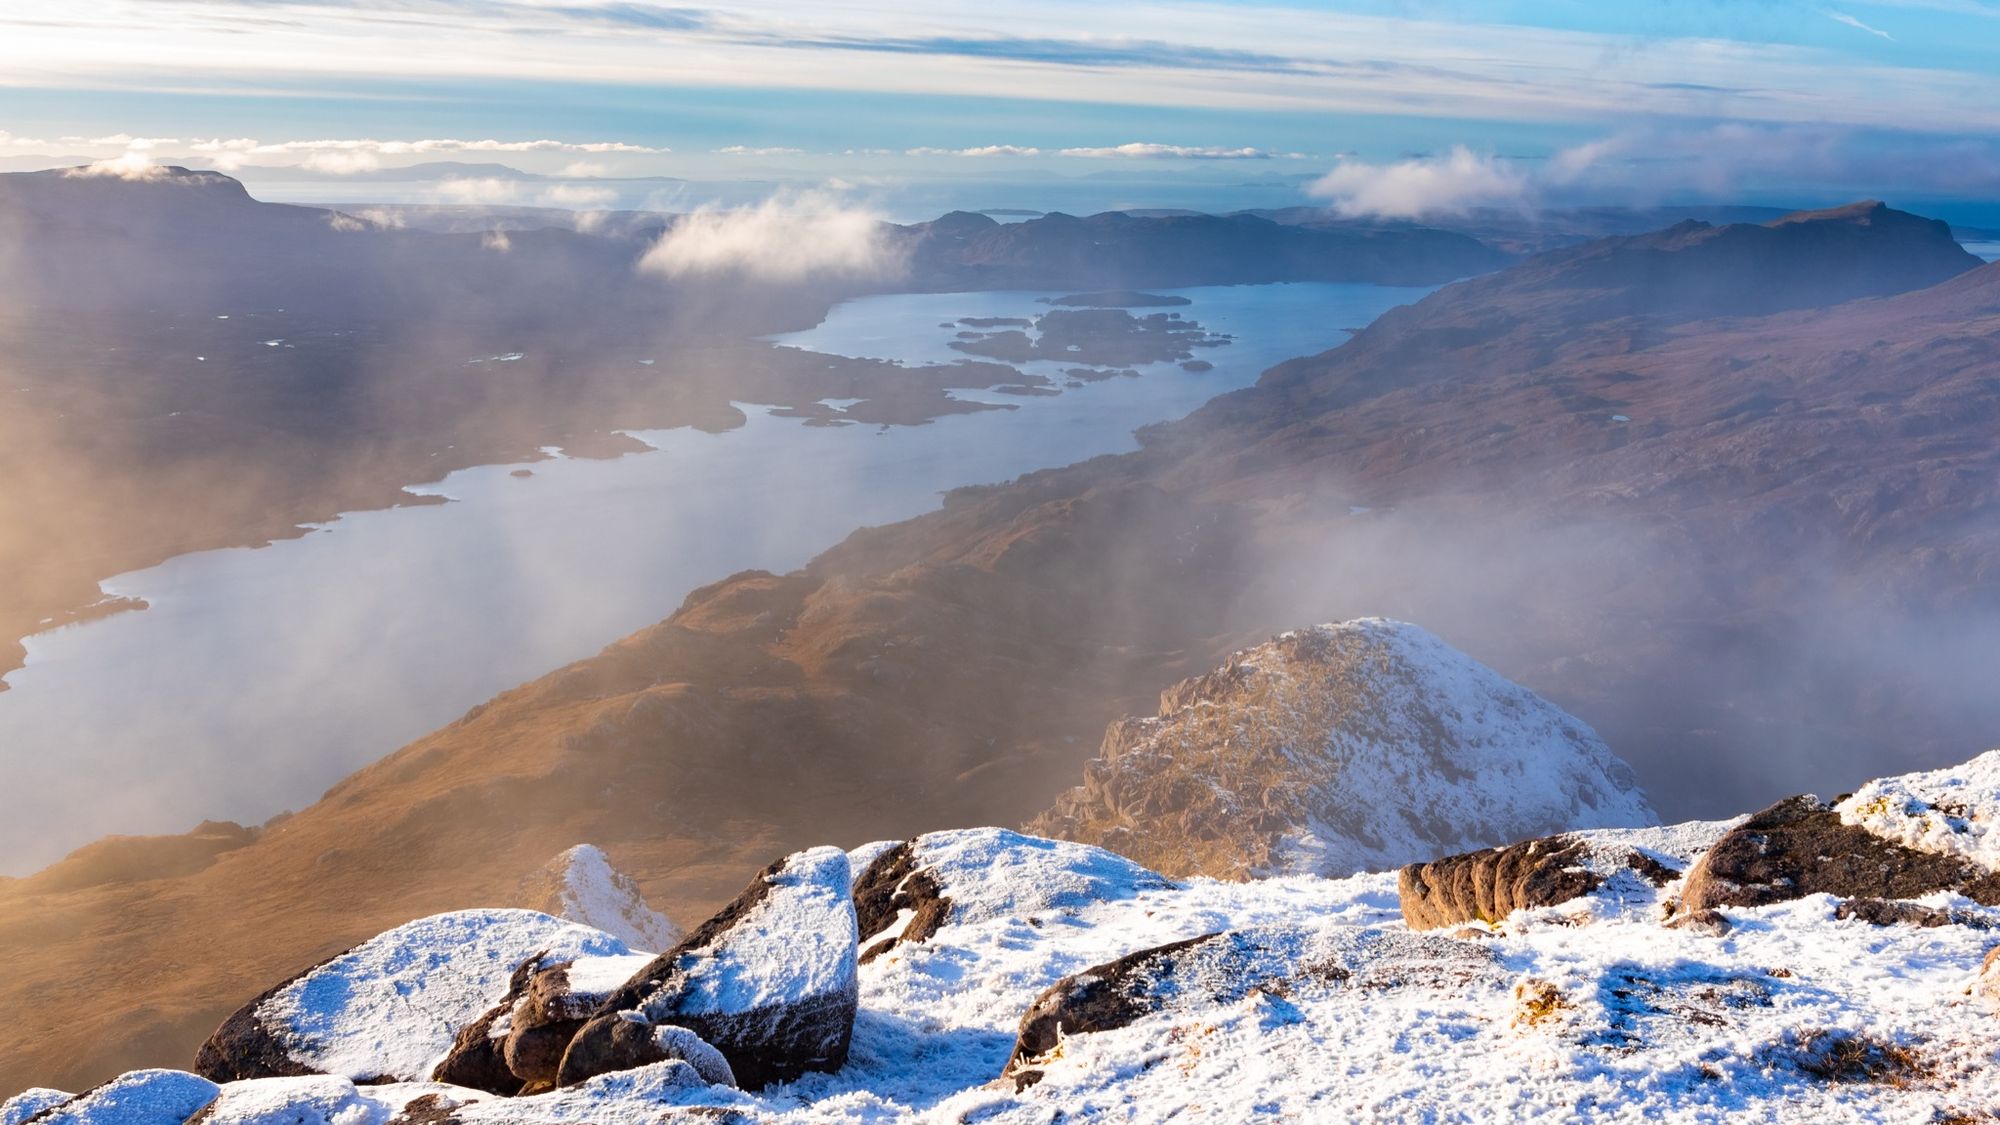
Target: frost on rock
{"x":582,"y":886}
{"x":140,"y":1097}
{"x":1953,"y":811}
{"x":770,"y":981}
{"x":1353,"y":747}
{"x":29,"y":1102}
{"x":390,"y":1007}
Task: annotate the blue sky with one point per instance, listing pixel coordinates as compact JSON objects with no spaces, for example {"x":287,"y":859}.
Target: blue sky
{"x":1462,"y":103}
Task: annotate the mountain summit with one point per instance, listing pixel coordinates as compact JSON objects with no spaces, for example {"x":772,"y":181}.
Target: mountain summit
{"x":1342,"y":748}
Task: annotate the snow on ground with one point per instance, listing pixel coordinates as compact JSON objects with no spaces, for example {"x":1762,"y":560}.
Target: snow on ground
{"x":141,"y":1097}
{"x":1949,"y":811}
{"x":391,"y":1005}
{"x":28,"y":1103}
{"x":1320,"y":1005}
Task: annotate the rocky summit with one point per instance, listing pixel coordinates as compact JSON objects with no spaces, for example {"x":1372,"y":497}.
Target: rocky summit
{"x":1594,"y":974}
{"x":1341,"y":748}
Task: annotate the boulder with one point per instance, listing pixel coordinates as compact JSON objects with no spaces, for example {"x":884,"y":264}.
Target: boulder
{"x":582,"y":886}
{"x":391,"y":1008}
{"x":1708,"y":923}
{"x":318,"y":1099}
{"x":771,"y":982}
{"x":1272,"y":964}
{"x":477,"y":1059}
{"x":1486,"y":886}
{"x":555,"y":1004}
{"x":908,"y":891}
{"x":139,"y":1097}
{"x":1897,"y":912}
{"x":1803,"y":846}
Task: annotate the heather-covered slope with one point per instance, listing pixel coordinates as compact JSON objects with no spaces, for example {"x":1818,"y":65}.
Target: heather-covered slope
{"x":1751,"y":553}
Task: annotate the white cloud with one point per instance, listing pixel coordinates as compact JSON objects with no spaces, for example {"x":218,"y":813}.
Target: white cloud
{"x":577,"y":196}
{"x":787,"y":238}
{"x":585,"y":170}
{"x":339,"y":163}
{"x":1853,"y":22}
{"x":1453,"y":184}
{"x":1148,"y":151}
{"x":133,"y":164}
{"x":478,"y":191}
{"x":747,"y":150}
{"x":496,"y":241}
{"x":977,"y":150}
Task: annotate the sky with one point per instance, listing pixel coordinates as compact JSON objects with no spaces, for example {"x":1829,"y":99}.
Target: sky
{"x":1373,"y":107}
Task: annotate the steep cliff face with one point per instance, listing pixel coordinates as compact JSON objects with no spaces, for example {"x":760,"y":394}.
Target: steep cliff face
{"x":1341,"y":748}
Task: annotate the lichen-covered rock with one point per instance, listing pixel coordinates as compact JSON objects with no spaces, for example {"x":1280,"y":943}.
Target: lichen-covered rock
{"x":910,"y":890}
{"x":392,"y":1007}
{"x":1353,"y":747}
{"x":1802,"y":846}
{"x":770,"y":981}
{"x":139,"y":1097}
{"x":1486,"y":886}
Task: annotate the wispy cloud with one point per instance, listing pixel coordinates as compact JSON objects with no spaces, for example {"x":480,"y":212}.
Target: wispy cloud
{"x":977,"y":150}
{"x":1854,"y":22}
{"x":751,"y":150}
{"x":1148,"y":151}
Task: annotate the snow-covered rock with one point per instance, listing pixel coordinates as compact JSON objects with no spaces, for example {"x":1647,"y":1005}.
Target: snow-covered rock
{"x":1353,"y":747}
{"x":141,"y":1097}
{"x":910,"y":890}
{"x":1953,"y":811}
{"x":1803,"y":846}
{"x":770,"y":982}
{"x":582,"y":886}
{"x":29,"y":1102}
{"x":316,"y":1099}
{"x":390,"y":1007}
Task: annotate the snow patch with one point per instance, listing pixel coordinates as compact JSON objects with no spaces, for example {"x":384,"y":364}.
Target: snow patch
{"x":1953,"y":811}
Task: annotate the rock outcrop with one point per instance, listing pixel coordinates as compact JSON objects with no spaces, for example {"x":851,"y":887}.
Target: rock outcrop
{"x":1353,"y":747}
{"x":582,"y":886}
{"x":770,"y":981}
{"x":391,"y":1007}
{"x":1273,"y":965}
{"x":1486,"y":886}
{"x":1803,"y":846}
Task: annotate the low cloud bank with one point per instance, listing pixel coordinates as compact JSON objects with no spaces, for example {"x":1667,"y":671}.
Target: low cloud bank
{"x":786,"y":239}
{"x":1651,"y":165}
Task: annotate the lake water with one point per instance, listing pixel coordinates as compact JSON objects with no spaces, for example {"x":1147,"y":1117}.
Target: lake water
{"x":259,"y":677}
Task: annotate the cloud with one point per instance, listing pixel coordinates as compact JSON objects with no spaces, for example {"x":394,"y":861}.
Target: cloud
{"x":977,"y":150}
{"x":578,"y":196}
{"x":1851,"y":21}
{"x":1146,"y":151}
{"x":787,"y":238}
{"x":340,"y":163}
{"x":496,"y":241}
{"x":1648,"y":165}
{"x":133,"y":164}
{"x":478,"y":191}
{"x":585,"y":170}
{"x":747,"y":150}
{"x":1452,"y":184}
